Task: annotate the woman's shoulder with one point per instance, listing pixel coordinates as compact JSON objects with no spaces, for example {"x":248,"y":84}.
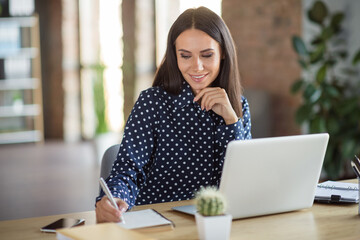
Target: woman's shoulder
{"x":154,"y":94}
{"x":244,"y":103}
{"x":244,"y":100}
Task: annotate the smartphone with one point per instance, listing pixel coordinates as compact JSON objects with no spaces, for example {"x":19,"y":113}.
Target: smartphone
{"x":62,"y":223}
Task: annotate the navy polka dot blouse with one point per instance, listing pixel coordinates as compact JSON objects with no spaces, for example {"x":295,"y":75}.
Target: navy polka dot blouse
{"x":171,"y":147}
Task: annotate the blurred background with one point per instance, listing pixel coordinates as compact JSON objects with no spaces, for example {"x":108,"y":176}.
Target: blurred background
{"x":71,"y":70}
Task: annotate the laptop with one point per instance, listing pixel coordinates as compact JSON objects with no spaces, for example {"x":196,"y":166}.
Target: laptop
{"x":270,"y":175}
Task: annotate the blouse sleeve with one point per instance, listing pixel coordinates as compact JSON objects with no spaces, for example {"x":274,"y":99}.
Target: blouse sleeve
{"x":133,"y":162}
{"x":241,"y":130}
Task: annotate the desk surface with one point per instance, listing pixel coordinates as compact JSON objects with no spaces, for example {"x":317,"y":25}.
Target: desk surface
{"x":321,"y":221}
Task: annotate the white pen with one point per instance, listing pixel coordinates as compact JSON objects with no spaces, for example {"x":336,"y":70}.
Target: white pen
{"x":110,"y":197}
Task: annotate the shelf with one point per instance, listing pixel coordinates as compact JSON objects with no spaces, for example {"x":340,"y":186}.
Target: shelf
{"x":23,"y":136}
{"x":19,"y":84}
{"x":20,"y":72}
{"x":21,"y":21}
{"x":20,"y":52}
{"x":20,"y":110}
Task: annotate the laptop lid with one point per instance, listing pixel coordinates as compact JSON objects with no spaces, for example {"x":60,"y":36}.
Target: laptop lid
{"x":272,"y":175}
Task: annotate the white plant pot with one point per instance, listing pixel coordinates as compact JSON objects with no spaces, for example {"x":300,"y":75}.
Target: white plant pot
{"x":213,"y":227}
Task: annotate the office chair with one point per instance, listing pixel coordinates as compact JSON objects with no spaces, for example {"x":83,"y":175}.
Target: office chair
{"x":108,"y":159}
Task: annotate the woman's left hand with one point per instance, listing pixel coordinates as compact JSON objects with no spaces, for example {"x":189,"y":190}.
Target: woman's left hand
{"x":216,"y":99}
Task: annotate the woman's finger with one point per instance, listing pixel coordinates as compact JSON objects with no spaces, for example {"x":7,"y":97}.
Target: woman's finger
{"x":204,"y":91}
{"x":106,"y":212}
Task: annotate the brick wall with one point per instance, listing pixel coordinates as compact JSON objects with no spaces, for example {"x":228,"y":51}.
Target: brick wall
{"x":262,"y":31}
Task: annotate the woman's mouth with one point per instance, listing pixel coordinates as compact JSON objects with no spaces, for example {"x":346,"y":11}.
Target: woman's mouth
{"x":198,"y":78}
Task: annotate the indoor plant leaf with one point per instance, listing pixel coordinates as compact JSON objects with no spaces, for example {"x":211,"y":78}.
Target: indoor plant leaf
{"x":309,"y":91}
{"x":317,"y":54}
{"x":315,"y":96}
{"x":299,"y":46}
{"x":303,"y":63}
{"x":327,"y":33}
{"x":356,"y":58}
{"x":297,"y":86}
{"x":303,"y":113}
{"x":336,"y":21}
{"x":318,"y":12}
{"x":331,"y":91}
{"x":317,"y":40}
{"x":333,"y":126}
{"x":321,"y":74}
{"x":318,"y":125}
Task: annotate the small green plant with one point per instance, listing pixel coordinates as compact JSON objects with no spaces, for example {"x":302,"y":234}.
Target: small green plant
{"x":210,"y":202}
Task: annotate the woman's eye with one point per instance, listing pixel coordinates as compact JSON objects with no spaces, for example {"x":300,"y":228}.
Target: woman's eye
{"x":208,"y":55}
{"x":185,"y":56}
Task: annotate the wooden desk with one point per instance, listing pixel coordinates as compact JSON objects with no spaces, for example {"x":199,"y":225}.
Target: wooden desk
{"x":322,"y":221}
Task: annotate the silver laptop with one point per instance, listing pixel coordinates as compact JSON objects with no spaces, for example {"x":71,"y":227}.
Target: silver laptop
{"x":271,"y":175}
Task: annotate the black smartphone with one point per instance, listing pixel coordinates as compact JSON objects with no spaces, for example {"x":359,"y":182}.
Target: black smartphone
{"x":62,"y":223}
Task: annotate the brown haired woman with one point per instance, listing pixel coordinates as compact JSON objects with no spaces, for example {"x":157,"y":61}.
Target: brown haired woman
{"x":176,"y":135}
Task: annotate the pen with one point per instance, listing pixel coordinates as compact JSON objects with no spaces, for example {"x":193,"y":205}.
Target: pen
{"x":356,"y":170}
{"x":110,"y":197}
{"x":357,"y":162}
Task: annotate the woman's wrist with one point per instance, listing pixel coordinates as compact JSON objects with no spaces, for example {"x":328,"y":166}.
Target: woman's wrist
{"x":231,"y":120}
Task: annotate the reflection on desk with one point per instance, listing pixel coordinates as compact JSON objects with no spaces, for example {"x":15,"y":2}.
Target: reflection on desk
{"x":322,"y":221}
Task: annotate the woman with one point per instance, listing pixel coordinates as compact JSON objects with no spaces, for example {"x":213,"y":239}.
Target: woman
{"x":176,"y":135}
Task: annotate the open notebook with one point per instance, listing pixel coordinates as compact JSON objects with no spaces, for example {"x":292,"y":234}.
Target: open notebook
{"x":148,"y":218}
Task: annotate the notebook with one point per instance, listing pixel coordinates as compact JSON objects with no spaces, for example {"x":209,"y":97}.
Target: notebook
{"x":148,"y":219}
{"x":271,"y":175}
{"x":337,"y":192}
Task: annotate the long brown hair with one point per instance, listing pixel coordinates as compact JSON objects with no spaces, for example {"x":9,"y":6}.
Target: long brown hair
{"x":168,"y":75}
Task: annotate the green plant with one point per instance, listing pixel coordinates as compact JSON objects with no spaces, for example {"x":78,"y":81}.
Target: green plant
{"x":330,"y":91}
{"x":210,"y":202}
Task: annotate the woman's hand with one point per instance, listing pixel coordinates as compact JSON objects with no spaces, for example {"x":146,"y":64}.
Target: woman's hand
{"x":216,"y":99}
{"x":105,"y":212}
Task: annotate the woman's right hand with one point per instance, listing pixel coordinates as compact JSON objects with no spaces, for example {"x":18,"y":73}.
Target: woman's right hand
{"x":106,"y":212}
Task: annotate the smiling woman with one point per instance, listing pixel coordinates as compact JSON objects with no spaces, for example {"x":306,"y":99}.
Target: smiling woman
{"x":176,"y":135}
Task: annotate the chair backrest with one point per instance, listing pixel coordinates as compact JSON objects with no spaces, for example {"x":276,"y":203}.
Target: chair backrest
{"x":108,"y":159}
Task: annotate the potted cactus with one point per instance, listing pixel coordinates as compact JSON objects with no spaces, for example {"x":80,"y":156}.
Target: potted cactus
{"x":211,"y":220}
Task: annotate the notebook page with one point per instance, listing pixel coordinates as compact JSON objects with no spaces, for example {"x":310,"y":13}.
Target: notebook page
{"x":143,"y":218}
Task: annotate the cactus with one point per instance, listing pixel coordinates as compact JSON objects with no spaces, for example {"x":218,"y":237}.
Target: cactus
{"x":210,"y":202}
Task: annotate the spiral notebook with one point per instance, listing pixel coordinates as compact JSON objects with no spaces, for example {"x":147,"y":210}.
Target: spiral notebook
{"x":337,"y":192}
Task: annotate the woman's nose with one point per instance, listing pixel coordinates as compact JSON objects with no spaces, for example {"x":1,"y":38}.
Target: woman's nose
{"x":198,"y":64}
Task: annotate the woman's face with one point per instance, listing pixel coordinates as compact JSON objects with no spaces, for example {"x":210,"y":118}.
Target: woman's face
{"x":198,"y":56}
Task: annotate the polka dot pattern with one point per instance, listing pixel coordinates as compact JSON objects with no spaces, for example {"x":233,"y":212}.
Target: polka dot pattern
{"x":171,"y":147}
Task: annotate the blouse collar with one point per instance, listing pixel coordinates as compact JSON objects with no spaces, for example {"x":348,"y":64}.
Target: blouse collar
{"x":185,"y":98}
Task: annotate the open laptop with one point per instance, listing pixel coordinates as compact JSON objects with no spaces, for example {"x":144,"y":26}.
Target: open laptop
{"x":270,"y":175}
